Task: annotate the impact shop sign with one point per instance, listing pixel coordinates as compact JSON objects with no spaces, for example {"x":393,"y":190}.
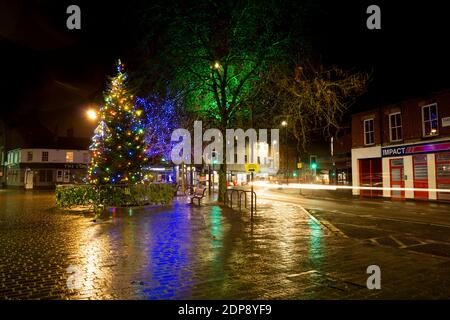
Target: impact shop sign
{"x":414,"y":149}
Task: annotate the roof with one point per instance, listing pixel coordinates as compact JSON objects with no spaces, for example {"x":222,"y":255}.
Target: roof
{"x":30,"y":133}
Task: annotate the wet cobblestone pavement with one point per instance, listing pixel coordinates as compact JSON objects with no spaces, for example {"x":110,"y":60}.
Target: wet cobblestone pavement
{"x":191,"y":252}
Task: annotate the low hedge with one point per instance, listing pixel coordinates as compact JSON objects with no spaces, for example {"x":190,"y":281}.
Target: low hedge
{"x":68,"y":196}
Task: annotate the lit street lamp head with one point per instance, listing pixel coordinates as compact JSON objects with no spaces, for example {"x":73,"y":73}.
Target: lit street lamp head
{"x":91,"y":114}
{"x":284,"y":123}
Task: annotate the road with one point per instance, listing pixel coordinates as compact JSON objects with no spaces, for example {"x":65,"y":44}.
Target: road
{"x":411,"y":225}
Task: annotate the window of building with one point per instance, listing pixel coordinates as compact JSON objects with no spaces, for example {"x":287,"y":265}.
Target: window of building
{"x":59,"y":175}
{"x":69,"y":156}
{"x":430,"y":120}
{"x":66,"y":176}
{"x":420,"y":170}
{"x":30,"y":156}
{"x":443,"y":175}
{"x":86,"y":157}
{"x":15,"y":157}
{"x":395,"y":125}
{"x":44,"y":155}
{"x":371,"y":176}
{"x":369,"y":132}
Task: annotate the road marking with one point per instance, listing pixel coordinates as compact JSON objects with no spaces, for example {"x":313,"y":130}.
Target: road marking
{"x":286,"y":198}
{"x":301,"y":274}
{"x":401,"y":244}
{"x":325,"y":223}
{"x":367,"y":216}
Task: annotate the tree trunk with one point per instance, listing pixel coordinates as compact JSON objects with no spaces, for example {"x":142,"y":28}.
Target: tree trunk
{"x":222,"y":182}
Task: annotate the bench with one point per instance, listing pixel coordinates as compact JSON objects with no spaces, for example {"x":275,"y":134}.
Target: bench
{"x":199,"y":194}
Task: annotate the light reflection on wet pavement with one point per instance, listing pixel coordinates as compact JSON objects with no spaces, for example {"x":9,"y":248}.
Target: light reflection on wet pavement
{"x":190,"y":252}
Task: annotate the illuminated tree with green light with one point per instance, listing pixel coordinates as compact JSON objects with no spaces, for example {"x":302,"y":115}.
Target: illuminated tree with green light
{"x":215,"y":53}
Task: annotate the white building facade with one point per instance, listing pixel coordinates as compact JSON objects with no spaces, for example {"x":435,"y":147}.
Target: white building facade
{"x":44,"y":168}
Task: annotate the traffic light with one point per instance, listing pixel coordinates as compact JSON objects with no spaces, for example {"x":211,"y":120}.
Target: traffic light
{"x":214,"y":157}
{"x":313,"y":162}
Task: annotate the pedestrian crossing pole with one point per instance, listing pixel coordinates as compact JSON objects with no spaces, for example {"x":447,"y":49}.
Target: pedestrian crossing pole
{"x":251,"y":201}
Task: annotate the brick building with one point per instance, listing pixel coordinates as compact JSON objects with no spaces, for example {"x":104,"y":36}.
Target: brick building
{"x":405,"y":146}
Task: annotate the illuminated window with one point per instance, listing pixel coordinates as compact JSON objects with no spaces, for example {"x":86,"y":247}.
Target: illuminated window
{"x":430,"y":120}
{"x":395,"y":125}
{"x":369,"y":132}
{"x":69,"y":156}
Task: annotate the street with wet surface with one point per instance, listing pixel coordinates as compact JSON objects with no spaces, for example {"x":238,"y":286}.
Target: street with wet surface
{"x":185,"y":251}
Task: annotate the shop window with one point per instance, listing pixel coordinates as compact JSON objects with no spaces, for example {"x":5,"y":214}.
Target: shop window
{"x":443,"y":170}
{"x":443,"y":175}
{"x":420,"y":168}
{"x":369,"y":132}
{"x":395,"y":125}
{"x":397,"y":162}
{"x":430,"y":120}
{"x":371,"y":176}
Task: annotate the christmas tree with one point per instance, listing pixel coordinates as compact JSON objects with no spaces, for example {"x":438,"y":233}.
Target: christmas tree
{"x":118,"y":146}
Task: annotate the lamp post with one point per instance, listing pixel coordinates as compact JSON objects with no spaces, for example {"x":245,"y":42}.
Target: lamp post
{"x":284,"y":124}
{"x":333,"y":172}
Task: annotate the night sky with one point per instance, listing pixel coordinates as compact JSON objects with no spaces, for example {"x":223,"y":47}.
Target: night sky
{"x":53,"y":72}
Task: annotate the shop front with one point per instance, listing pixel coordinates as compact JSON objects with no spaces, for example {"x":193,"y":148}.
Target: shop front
{"x":414,"y":171}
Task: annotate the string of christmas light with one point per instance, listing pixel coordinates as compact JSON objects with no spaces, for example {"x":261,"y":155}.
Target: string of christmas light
{"x":118,"y":145}
{"x":160,"y":120}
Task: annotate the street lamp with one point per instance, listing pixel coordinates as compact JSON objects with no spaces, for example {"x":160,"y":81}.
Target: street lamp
{"x":284,"y":124}
{"x":91,"y":114}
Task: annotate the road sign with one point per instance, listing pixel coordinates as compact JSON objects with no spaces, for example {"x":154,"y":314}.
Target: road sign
{"x":252,"y":167}
{"x":299,"y":165}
